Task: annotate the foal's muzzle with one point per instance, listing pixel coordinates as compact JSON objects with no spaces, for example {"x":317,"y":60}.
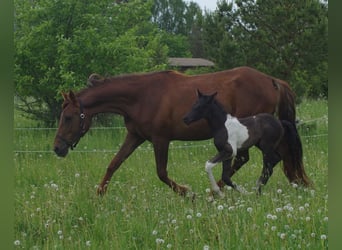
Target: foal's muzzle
{"x":187,"y":120}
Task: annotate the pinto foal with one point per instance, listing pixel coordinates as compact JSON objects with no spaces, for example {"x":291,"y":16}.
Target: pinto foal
{"x":232,"y":135}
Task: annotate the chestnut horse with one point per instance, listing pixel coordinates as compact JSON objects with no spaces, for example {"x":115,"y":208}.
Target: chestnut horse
{"x":153,"y":106}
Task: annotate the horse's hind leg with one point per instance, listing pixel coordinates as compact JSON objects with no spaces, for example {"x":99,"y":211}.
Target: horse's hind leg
{"x":269,"y":161}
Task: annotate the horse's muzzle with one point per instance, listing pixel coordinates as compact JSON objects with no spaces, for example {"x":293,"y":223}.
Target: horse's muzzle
{"x":186,"y":120}
{"x":61,"y":151}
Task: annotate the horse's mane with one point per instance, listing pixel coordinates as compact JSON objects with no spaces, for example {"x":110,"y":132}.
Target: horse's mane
{"x":96,"y":81}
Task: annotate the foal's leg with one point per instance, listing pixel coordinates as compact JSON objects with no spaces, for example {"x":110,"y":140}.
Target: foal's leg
{"x":132,"y":141}
{"x":222,"y":155}
{"x":241,"y":158}
{"x":269,"y":161}
{"x":161,"y":148}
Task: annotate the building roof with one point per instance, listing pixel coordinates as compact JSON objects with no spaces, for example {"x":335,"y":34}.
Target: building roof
{"x":190,"y":62}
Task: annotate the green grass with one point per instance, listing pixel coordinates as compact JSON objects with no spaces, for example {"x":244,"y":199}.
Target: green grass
{"x":56,"y":206}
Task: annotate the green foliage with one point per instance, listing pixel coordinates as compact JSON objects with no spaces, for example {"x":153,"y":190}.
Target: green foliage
{"x":286,"y":39}
{"x":60,"y":43}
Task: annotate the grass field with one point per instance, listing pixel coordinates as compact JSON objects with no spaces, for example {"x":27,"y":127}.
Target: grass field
{"x":56,"y":206}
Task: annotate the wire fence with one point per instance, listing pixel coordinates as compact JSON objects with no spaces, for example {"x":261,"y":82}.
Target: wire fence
{"x":172,"y":147}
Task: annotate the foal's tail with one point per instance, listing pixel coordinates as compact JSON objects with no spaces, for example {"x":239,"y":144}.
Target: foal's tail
{"x":292,"y":151}
{"x":293,"y":155}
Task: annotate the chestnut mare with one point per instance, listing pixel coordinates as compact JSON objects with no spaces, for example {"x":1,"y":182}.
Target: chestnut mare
{"x":153,"y":106}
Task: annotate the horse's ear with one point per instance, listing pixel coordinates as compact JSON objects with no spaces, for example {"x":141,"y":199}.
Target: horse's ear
{"x":72,"y":97}
{"x":65,"y":96}
{"x":94,"y":80}
{"x":199,"y":94}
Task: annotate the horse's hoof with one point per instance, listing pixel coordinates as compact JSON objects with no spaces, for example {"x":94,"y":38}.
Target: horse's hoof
{"x":101,"y":191}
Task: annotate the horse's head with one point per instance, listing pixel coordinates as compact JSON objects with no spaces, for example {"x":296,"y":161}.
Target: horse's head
{"x":200,"y":109}
{"x":73,"y":124}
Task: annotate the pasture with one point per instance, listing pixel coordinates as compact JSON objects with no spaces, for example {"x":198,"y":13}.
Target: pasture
{"x":56,"y":206}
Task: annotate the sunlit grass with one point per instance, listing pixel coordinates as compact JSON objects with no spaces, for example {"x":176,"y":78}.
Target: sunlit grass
{"x":56,"y":205}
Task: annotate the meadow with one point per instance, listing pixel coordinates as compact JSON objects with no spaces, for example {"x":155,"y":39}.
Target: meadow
{"x":56,"y":206}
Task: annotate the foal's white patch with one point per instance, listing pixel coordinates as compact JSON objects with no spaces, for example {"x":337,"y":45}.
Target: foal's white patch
{"x":237,"y":133}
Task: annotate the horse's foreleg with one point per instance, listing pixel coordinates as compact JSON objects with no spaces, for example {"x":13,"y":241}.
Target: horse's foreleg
{"x":132,"y":141}
{"x":241,"y":158}
{"x":161,"y":148}
{"x":208,"y":168}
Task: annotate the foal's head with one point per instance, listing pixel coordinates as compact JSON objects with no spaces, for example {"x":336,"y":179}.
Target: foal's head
{"x":201,"y":108}
{"x":73,"y":124}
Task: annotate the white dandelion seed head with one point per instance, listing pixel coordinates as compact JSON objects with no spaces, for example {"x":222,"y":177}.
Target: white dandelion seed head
{"x":154,"y":232}
{"x":206,"y":247}
{"x":17,"y":242}
{"x":323,"y":237}
{"x":189,"y":217}
{"x":249,"y":209}
{"x":282,"y":236}
{"x":160,"y":241}
{"x":220,"y":207}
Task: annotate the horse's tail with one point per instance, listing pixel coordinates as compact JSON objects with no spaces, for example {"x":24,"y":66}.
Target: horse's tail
{"x":292,"y":146}
{"x":293,"y":155}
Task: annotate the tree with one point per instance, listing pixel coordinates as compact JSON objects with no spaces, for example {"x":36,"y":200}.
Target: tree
{"x":180,"y":22}
{"x":58,"y":44}
{"x":287,"y":39}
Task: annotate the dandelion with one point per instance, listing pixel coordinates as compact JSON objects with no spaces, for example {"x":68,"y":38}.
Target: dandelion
{"x":159,"y":241}
{"x":282,"y":236}
{"x":279,"y":191}
{"x":231,"y":208}
{"x":325,"y":218}
{"x":269,"y":216}
{"x":323,"y":237}
{"x":313,"y":235}
{"x":174,"y":221}
{"x":17,"y":242}
{"x":199,"y":215}
{"x":301,"y":208}
{"x":205,"y":247}
{"x":77,"y":175}
{"x":249,"y":209}
{"x":59,"y":232}
{"x":189,"y":217}
{"x":279,"y":209}
{"x":154,"y":232}
{"x":220,"y":207}
{"x":88,"y":243}
{"x":294,"y":185}
{"x":307,"y":218}
{"x":169,"y":246}
{"x":273,"y":228}
{"x":207,"y":190}
{"x":274,"y":217}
